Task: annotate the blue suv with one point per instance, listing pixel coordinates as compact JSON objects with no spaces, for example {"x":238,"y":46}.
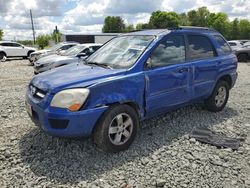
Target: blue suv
{"x":133,"y":77}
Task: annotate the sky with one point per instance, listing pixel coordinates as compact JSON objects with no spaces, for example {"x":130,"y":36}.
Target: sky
{"x":87,"y":16}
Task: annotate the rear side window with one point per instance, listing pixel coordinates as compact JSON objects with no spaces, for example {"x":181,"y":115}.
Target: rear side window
{"x":170,"y":51}
{"x":200,"y":47}
{"x":224,"y":47}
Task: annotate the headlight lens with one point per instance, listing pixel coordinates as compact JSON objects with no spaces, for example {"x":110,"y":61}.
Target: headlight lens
{"x":71,"y":99}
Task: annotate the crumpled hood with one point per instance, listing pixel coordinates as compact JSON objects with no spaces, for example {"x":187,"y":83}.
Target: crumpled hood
{"x":54,"y":58}
{"x":72,"y":75}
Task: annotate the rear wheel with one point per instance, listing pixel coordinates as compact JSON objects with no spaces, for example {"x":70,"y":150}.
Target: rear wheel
{"x":218,"y":100}
{"x":117,"y":128}
{"x":2,"y":57}
{"x":243,"y":58}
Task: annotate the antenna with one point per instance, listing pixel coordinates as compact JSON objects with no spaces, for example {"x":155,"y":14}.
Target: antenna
{"x":32,"y":25}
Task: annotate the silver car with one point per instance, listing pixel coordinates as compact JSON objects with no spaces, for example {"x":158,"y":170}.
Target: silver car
{"x":71,"y":55}
{"x":60,"y":47}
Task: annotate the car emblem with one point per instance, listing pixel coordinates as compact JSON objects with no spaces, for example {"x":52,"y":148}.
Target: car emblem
{"x":32,"y":90}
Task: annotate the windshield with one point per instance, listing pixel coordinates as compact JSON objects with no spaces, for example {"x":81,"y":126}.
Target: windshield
{"x":55,"y":47}
{"x":73,"y":51}
{"x":121,"y":52}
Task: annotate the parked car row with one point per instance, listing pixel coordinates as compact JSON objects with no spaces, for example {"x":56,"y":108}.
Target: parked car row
{"x":132,"y":77}
{"x":60,"y":47}
{"x":72,"y":55}
{"x":241,"y":48}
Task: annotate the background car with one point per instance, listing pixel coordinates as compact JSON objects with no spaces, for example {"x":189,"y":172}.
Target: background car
{"x":235,"y":44}
{"x":243,"y":53}
{"x":13,"y":49}
{"x":60,"y":47}
{"x":69,"y":56}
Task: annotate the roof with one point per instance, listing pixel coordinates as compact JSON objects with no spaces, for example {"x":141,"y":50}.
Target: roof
{"x":90,"y":44}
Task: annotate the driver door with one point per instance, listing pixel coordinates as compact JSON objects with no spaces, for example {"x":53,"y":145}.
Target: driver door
{"x":168,"y":78}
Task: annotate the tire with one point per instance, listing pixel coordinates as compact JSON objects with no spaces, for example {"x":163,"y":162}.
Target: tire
{"x":2,"y":57}
{"x":28,"y":55}
{"x":116,"y":129}
{"x":218,"y":100}
{"x":243,"y":58}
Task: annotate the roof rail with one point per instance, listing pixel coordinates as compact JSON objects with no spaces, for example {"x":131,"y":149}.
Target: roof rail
{"x":194,"y":28}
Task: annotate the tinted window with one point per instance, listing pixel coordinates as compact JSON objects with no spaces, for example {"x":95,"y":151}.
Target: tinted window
{"x":232,"y":44}
{"x":171,"y":50}
{"x":96,"y":47}
{"x":16,"y":45}
{"x":66,"y":47}
{"x":224,"y":47}
{"x":6,"y":44}
{"x":200,"y":47}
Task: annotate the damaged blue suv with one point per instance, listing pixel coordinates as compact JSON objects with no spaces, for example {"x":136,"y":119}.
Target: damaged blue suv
{"x":133,"y":77}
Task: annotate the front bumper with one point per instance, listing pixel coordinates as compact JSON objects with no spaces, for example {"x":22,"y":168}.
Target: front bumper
{"x":62,"y":122}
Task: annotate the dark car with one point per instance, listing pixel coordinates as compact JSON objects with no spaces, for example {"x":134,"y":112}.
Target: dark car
{"x":133,"y":77}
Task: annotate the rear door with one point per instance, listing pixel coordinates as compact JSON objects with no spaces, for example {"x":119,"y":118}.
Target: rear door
{"x":205,"y":62}
{"x":168,"y":80}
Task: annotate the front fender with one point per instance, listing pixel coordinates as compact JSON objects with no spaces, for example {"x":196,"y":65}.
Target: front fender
{"x":128,"y":88}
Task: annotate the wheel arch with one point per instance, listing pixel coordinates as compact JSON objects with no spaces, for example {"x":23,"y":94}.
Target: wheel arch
{"x":227,"y":78}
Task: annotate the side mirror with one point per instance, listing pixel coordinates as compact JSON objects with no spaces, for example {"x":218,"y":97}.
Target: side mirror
{"x":81,"y":55}
{"x":149,"y":63}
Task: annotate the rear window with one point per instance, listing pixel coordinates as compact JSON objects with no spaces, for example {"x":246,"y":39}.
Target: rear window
{"x":224,"y":47}
{"x":200,"y":47}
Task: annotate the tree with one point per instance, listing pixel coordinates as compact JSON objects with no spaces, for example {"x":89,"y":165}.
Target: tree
{"x":141,"y":26}
{"x":43,"y":40}
{"x":162,"y":20}
{"x":113,"y":24}
{"x":1,"y":34}
{"x":235,"y":29}
{"x":56,"y":35}
{"x":199,"y":17}
{"x":129,"y":28}
{"x":220,"y":22}
{"x":244,"y":29}
{"x":184,"y":21}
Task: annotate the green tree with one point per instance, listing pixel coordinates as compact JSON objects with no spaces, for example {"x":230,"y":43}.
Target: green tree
{"x":141,"y":26}
{"x":43,"y":40}
{"x":161,"y":20}
{"x":235,"y":29}
{"x":113,"y":24}
{"x":26,"y":42}
{"x":1,"y":34}
{"x":129,"y":28}
{"x":184,"y":21}
{"x":56,"y":35}
{"x":199,"y":17}
{"x":244,"y":29}
{"x":220,"y":22}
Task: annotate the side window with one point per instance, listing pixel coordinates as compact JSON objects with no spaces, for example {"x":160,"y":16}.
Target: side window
{"x":16,"y":45}
{"x":224,"y":47}
{"x":232,"y":44}
{"x":6,"y":44}
{"x":66,"y":47}
{"x":86,"y":51}
{"x":96,"y":47}
{"x":200,"y":47}
{"x":171,"y":50}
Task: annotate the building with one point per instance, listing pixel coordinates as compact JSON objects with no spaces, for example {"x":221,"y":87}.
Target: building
{"x":89,"y":38}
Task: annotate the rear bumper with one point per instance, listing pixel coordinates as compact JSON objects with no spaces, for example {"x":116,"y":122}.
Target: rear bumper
{"x":64,"y":123}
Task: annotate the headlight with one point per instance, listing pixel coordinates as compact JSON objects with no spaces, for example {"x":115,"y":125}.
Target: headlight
{"x":71,"y":99}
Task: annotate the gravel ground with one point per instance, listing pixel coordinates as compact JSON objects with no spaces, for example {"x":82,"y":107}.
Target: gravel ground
{"x":162,"y":155}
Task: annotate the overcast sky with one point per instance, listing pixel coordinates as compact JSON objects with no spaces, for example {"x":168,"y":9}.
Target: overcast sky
{"x":85,"y":16}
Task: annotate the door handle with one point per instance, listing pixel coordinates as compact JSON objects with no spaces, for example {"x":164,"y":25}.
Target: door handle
{"x":182,"y":70}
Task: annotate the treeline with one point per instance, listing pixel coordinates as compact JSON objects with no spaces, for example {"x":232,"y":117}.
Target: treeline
{"x":202,"y":17}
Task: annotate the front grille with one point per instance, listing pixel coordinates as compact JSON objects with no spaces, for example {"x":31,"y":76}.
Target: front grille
{"x":58,"y":123}
{"x":36,"y":92}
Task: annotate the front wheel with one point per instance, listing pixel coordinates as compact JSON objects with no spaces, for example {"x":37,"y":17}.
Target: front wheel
{"x":218,"y":100}
{"x":117,"y":128}
{"x":2,"y":57}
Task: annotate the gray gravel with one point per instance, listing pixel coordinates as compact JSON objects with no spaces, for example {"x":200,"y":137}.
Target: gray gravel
{"x":162,"y":155}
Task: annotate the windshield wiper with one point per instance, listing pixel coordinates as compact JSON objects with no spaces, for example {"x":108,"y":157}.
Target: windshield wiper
{"x":98,"y":64}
